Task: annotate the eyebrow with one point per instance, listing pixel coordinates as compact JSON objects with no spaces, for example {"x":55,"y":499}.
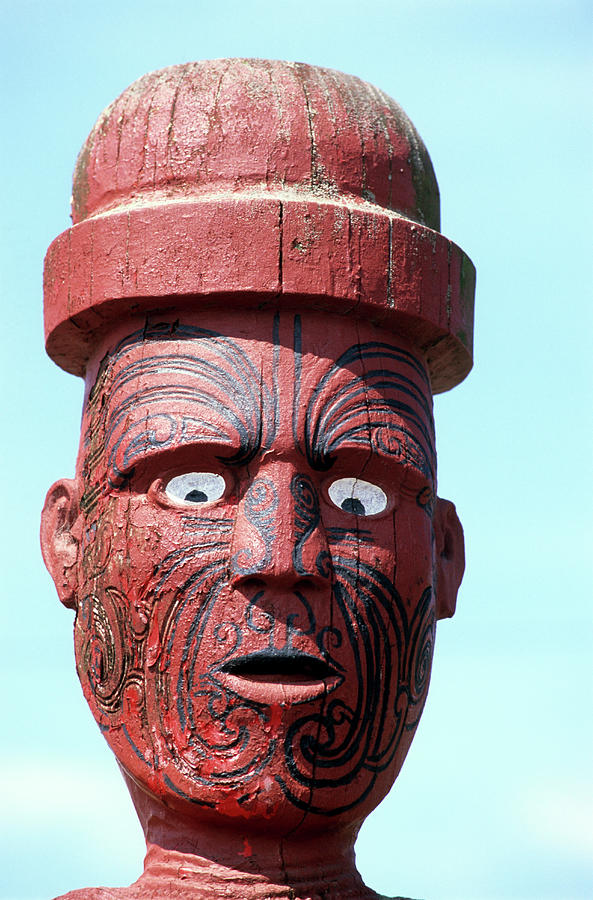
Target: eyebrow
{"x":410,"y":451}
{"x":373,"y":400}
{"x":246,"y":409}
{"x":223,"y":396}
{"x":138,"y":443}
{"x":342,"y":407}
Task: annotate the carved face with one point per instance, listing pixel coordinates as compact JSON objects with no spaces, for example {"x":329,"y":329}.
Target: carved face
{"x":255,"y":579}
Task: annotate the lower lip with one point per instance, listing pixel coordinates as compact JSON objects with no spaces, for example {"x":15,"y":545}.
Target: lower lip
{"x":283,"y":689}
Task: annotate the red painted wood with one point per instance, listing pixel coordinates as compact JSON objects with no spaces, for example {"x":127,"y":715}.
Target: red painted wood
{"x":187,"y":188}
{"x":252,"y":543}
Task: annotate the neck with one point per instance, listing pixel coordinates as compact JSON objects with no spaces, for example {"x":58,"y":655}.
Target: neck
{"x":188,"y":858}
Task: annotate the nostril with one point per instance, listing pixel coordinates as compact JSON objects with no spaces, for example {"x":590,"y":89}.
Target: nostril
{"x":251,"y":585}
{"x":305,"y":584}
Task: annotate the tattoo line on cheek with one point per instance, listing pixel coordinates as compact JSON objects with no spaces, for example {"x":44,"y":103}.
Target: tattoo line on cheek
{"x":199,"y":523}
{"x":354,"y":535}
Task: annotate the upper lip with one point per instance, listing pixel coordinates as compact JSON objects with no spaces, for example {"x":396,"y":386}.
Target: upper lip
{"x":278,"y":664}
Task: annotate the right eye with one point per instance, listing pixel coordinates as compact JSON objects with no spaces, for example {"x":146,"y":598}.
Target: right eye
{"x":195,"y":488}
{"x":356,"y":496}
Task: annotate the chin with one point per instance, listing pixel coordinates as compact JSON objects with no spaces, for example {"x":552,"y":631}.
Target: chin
{"x":280,"y":796}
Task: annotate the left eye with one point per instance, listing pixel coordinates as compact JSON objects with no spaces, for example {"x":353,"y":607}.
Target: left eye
{"x":356,"y":496}
{"x":196,"y":487}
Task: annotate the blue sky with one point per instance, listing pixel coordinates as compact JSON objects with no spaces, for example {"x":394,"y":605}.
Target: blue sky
{"x":496,"y":799}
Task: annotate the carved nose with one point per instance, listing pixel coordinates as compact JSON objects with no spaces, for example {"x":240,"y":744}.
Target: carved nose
{"x":278,"y":536}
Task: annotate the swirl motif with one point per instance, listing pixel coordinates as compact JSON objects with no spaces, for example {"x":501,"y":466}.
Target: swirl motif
{"x":426,"y":499}
{"x":104,"y":657}
{"x":420,"y":653}
{"x":211,"y":733}
{"x":306,"y":519}
{"x":329,"y":748}
{"x":259,"y":508}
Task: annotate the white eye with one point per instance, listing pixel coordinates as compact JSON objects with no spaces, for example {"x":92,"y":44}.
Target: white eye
{"x":196,"y":487}
{"x":356,"y":496}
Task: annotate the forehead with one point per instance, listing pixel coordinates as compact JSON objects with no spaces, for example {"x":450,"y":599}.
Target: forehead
{"x":278,"y":345}
{"x":314,"y":380}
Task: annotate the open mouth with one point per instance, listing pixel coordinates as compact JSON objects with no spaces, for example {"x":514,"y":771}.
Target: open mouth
{"x":279,"y":665}
{"x":280,"y":675}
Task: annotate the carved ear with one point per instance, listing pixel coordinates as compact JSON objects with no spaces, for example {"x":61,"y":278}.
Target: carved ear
{"x":450,"y":557}
{"x":59,"y":541}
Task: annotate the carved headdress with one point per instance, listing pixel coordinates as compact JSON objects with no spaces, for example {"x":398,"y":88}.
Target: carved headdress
{"x":258,"y":183}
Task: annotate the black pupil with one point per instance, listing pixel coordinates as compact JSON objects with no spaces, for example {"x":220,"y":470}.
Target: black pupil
{"x":352,"y":505}
{"x":196,"y":496}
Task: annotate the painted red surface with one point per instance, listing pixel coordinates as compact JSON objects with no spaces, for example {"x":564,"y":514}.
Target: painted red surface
{"x":252,"y":543}
{"x":300,"y":177}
